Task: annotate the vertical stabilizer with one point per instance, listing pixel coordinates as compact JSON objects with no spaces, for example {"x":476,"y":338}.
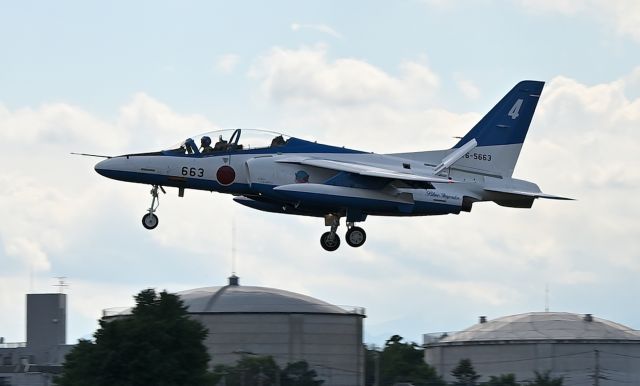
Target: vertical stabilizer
{"x":502,"y":131}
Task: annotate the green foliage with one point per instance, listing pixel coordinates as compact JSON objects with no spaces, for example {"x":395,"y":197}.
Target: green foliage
{"x":502,"y":380}
{"x":263,"y":371}
{"x":299,"y":374}
{"x":465,"y":374}
{"x":157,"y":345}
{"x":403,"y":362}
{"x":545,"y":379}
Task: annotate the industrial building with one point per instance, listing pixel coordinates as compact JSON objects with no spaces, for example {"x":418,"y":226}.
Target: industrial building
{"x":290,"y":327}
{"x":582,"y":349}
{"x":36,"y":361}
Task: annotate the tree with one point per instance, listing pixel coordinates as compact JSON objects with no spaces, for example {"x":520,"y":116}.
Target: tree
{"x":403,"y":362}
{"x":257,"y":370}
{"x":299,"y":374}
{"x":502,"y":380}
{"x":545,"y":379}
{"x":249,"y":371}
{"x":158,"y":344}
{"x":465,"y":374}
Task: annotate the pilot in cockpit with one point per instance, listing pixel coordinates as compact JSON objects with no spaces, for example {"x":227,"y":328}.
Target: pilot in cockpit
{"x":205,"y":144}
{"x":220,"y":145}
{"x":278,"y":141}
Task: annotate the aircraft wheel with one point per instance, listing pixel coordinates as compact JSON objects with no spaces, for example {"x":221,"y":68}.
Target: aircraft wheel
{"x":355,"y":237}
{"x":150,"y":221}
{"x":330,"y":242}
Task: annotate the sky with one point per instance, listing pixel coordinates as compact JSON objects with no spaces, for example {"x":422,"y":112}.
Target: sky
{"x":384,"y":76}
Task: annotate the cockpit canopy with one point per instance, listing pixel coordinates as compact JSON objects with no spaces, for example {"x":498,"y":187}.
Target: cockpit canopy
{"x":229,"y":140}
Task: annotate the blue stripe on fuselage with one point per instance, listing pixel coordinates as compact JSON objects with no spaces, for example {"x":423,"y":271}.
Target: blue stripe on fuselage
{"x":176,"y":182}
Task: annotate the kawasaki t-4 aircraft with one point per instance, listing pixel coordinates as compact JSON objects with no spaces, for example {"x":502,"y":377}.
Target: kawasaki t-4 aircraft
{"x":276,"y":173}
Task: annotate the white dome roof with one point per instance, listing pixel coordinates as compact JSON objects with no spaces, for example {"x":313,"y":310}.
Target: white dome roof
{"x":544,"y":326}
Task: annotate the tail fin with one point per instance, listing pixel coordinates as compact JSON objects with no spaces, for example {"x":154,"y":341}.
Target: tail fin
{"x":500,"y":133}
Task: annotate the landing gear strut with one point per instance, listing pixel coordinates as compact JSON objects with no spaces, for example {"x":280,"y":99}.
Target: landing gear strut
{"x":330,"y":241}
{"x":150,"y":220}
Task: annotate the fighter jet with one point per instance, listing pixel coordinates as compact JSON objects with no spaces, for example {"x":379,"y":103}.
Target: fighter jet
{"x":277,"y":173}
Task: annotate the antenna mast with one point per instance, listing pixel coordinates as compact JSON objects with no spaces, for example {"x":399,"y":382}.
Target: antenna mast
{"x":61,"y":284}
{"x":233,"y":245}
{"x":546,"y":297}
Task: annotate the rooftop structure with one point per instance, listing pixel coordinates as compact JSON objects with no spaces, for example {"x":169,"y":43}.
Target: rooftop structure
{"x":579,"y":348}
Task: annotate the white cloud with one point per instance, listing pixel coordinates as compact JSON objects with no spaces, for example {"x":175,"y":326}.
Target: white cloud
{"x":59,"y":217}
{"x":307,"y":75}
{"x":24,"y":248}
{"x":55,"y":124}
{"x":467,"y":87}
{"x":622,"y":16}
{"x":338,"y":100}
{"x":150,"y":124}
{"x":227,"y":63}
{"x":322,"y":28}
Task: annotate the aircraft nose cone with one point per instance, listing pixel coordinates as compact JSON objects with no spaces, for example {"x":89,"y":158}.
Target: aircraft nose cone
{"x":110,"y":167}
{"x":101,"y":167}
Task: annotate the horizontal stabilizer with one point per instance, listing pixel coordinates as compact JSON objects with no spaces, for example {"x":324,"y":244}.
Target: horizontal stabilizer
{"x":528,"y":194}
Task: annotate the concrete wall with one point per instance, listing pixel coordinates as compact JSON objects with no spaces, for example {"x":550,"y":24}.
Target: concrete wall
{"x":46,"y":326}
{"x":618,"y":363}
{"x":331,"y":344}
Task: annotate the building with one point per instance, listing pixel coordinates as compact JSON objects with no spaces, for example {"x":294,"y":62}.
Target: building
{"x":36,"y":361}
{"x":290,"y":327}
{"x":579,"y":348}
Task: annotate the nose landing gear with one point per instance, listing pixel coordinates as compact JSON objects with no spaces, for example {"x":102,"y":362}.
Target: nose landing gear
{"x":330,"y":241}
{"x":150,"y":220}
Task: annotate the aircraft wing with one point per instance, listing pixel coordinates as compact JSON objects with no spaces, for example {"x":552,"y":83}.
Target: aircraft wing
{"x":527,"y":194}
{"x":363,"y":169}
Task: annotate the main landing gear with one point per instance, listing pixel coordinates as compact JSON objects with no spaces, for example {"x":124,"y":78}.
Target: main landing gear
{"x":330,"y":241}
{"x":150,"y":220}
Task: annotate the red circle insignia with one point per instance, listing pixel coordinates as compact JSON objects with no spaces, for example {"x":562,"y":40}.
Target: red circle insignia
{"x":226,"y":175}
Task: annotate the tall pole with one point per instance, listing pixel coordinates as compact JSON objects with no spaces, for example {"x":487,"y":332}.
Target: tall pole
{"x":377,"y":368}
{"x":596,"y":376}
{"x":546,"y":298}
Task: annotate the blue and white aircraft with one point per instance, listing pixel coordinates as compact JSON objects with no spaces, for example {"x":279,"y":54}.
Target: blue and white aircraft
{"x":281,"y":174}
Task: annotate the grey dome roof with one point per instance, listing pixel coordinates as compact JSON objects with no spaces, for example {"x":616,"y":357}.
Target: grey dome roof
{"x":248,"y":299}
{"x":234,"y":298}
{"x":544,"y":326}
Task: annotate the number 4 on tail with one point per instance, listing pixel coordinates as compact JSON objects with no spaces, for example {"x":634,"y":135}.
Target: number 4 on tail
{"x":515,"y":110}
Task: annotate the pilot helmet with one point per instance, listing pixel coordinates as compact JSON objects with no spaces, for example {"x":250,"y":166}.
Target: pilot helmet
{"x":205,"y":141}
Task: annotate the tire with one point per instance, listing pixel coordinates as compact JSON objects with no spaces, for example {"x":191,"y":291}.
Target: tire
{"x":355,"y":237}
{"x":150,"y":221}
{"x":329,"y":243}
